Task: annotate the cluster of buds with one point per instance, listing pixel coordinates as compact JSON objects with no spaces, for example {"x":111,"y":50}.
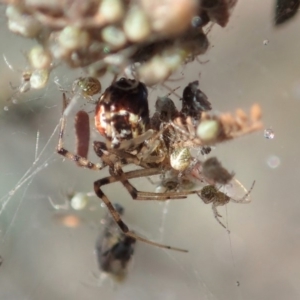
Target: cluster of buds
{"x":154,"y":38}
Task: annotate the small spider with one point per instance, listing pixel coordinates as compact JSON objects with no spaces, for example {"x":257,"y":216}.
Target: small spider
{"x":210,"y":194}
{"x":31,"y":79}
{"x":88,"y":86}
{"x":35,"y":80}
{"x":113,"y":248}
{"x":72,"y":199}
{"x":132,"y":137}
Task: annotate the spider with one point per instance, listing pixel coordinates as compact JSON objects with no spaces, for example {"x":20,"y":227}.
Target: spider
{"x":122,"y":117}
{"x":113,"y":248}
{"x":88,"y":87}
{"x":132,"y":137}
{"x":30,"y":79}
{"x":210,"y":194}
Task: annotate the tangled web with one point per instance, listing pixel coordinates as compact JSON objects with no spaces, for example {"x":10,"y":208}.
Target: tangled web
{"x":47,"y":257}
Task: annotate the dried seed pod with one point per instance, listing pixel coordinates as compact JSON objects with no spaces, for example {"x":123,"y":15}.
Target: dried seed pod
{"x":73,"y":38}
{"x":170,"y":17}
{"x":255,"y":113}
{"x":208,"y":131}
{"x":158,"y":35}
{"x":230,"y":126}
{"x":112,"y":10}
{"x":154,"y":71}
{"x":114,"y":36}
{"x":39,"y":58}
{"x":161,"y":66}
{"x":241,"y":117}
{"x":136,"y":25}
{"x":39,"y":79}
{"x":21,"y":22}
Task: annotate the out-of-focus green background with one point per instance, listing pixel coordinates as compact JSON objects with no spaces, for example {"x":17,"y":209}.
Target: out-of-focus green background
{"x":249,"y":61}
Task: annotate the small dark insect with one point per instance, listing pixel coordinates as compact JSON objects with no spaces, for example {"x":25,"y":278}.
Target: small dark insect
{"x":213,"y":172}
{"x":205,"y":150}
{"x":285,"y":10}
{"x":1,"y":261}
{"x":194,"y":101}
{"x":113,"y":248}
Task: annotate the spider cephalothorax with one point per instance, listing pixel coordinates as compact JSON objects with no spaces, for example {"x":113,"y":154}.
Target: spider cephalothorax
{"x":122,"y":112}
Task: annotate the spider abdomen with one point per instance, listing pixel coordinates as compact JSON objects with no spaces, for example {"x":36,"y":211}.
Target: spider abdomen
{"x":122,"y":112}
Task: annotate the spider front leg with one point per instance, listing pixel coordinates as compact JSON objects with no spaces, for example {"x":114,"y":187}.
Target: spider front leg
{"x":81,"y":161}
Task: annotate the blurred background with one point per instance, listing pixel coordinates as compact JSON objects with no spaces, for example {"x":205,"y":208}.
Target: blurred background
{"x":249,"y":61}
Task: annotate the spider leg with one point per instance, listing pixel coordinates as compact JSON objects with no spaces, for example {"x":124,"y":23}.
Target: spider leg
{"x":188,"y":137}
{"x":119,"y":175}
{"x":138,"y":195}
{"x":188,"y":131}
{"x":127,"y":144}
{"x":154,"y":144}
{"x":116,"y":156}
{"x":217,"y":215}
{"x":245,"y":199}
{"x":122,"y":225}
{"x":81,"y":161}
{"x":146,"y":152}
{"x":130,"y":175}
